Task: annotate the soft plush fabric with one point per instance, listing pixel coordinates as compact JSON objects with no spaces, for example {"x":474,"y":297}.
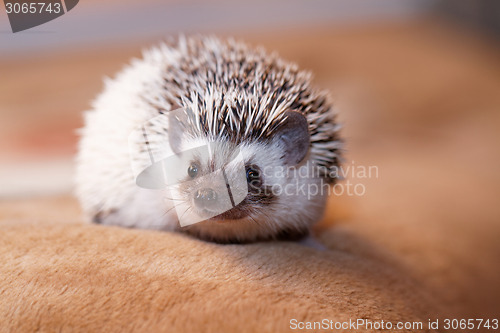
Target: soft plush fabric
{"x":73,"y":276}
{"x":59,"y":274}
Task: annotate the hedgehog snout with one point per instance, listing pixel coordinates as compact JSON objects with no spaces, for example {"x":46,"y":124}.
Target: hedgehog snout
{"x":205,"y":198}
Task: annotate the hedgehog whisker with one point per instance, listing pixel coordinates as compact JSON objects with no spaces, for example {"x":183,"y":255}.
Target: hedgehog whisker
{"x":187,"y":209}
{"x":173,"y":199}
{"x":258,"y":223}
{"x":168,"y":211}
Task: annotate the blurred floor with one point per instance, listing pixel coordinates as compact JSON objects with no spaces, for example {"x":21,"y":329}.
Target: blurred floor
{"x":419,"y":99}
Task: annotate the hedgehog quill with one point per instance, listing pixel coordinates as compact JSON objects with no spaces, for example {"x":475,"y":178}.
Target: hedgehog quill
{"x":228,"y":142}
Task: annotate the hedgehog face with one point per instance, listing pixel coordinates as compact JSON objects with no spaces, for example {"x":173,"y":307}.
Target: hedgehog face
{"x":251,"y":190}
{"x":270,"y":198}
{"x":221,"y":182}
{"x":223,"y":195}
{"x":224,"y":189}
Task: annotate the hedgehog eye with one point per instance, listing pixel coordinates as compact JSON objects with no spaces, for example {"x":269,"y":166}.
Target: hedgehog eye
{"x":193,"y":170}
{"x":253,"y":175}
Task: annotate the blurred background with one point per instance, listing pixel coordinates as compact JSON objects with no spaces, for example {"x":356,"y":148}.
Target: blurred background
{"x":416,"y":83}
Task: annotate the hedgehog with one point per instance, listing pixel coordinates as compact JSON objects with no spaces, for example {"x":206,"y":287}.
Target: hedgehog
{"x":209,"y":137}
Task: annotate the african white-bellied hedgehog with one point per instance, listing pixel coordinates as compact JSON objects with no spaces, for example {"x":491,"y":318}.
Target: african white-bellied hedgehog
{"x":210,"y":137}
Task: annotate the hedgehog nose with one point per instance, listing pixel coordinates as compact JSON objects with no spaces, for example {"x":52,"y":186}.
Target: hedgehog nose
{"x":205,"y":198}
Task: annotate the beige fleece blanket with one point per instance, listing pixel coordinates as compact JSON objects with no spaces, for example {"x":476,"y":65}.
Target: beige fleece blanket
{"x":76,"y":277}
{"x":58,"y":274}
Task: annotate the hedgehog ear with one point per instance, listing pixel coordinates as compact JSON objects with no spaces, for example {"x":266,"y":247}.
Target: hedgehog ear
{"x":293,"y":136}
{"x":174,"y":133}
{"x":177,"y":120}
